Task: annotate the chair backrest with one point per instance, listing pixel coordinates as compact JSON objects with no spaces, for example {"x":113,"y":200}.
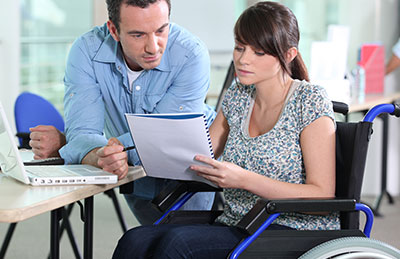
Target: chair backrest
{"x":31,"y":110}
{"x":352,"y":141}
{"x":230,"y":75}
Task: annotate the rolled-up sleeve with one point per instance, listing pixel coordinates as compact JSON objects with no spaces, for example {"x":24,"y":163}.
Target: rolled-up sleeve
{"x":396,"y":49}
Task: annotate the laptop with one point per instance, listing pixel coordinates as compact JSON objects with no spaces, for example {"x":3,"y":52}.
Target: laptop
{"x":11,"y":164}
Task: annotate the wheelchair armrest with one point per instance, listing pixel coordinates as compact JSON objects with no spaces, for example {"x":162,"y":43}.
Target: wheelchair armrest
{"x":172,"y":192}
{"x":264,"y":208}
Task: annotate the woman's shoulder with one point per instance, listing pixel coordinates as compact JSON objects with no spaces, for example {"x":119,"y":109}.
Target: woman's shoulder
{"x":307,"y":93}
{"x":308,"y":90}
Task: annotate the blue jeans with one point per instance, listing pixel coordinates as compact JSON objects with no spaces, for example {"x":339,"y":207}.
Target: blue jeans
{"x":180,"y":241}
{"x":146,"y":213}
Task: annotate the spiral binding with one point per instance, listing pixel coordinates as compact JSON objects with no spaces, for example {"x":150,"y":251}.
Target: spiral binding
{"x":208,"y":136}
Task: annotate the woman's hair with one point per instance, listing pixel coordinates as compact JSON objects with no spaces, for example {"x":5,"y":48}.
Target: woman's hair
{"x":272,"y":28}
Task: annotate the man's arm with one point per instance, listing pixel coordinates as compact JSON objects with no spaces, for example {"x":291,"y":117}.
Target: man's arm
{"x":393,"y":64}
{"x":83,"y":106}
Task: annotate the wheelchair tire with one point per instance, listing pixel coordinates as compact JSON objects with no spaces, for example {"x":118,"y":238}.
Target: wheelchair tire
{"x":352,"y":247}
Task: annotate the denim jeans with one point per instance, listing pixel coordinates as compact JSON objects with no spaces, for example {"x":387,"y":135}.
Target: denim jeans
{"x":180,"y":241}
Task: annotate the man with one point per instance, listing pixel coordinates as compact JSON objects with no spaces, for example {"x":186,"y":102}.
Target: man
{"x":137,"y":63}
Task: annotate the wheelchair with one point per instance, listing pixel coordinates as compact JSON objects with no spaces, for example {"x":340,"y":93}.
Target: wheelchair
{"x":352,"y":141}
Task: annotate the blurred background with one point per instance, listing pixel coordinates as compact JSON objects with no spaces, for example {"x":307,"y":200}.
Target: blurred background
{"x":36,"y":35}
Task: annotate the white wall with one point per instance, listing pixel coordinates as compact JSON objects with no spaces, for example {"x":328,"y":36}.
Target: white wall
{"x":100,"y":15}
{"x":9,"y":56}
{"x":377,"y":21}
{"x":212,"y":21}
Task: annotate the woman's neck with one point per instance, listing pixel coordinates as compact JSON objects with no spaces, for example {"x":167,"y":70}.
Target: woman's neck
{"x":271,"y":94}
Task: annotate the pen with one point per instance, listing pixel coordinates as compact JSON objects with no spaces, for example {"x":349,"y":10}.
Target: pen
{"x":128,"y":148}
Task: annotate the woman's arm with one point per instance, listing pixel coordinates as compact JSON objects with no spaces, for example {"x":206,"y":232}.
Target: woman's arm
{"x":318,"y":147}
{"x":219,"y":131}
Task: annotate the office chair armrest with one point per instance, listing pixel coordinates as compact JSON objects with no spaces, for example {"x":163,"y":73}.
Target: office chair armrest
{"x":24,"y":135}
{"x":264,"y":208}
{"x":172,"y":192}
{"x":25,"y":139}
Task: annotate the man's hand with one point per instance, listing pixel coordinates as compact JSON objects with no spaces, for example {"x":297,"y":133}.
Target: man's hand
{"x":112,"y":159}
{"x":46,"y":141}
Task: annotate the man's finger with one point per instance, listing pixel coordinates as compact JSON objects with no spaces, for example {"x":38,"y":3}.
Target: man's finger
{"x":113,"y":141}
{"x":109,"y":150}
{"x":42,"y":128}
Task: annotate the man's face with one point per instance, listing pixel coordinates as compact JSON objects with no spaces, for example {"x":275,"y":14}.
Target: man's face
{"x":143,"y":34}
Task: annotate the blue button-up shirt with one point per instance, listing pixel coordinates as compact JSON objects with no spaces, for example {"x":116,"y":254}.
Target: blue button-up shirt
{"x":97,"y":92}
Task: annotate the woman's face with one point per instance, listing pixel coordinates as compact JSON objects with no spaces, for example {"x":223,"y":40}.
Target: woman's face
{"x":254,"y":66}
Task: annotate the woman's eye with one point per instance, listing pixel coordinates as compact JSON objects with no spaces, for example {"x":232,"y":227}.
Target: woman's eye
{"x":239,"y":49}
{"x":259,"y":53}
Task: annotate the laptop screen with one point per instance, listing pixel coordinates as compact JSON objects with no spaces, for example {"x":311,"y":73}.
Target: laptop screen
{"x":10,"y":161}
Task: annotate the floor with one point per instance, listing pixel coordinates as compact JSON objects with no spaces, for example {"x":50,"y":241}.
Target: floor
{"x":31,"y":237}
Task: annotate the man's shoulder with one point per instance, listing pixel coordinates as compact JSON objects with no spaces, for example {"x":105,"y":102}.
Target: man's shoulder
{"x":93,"y":39}
{"x":180,"y":39}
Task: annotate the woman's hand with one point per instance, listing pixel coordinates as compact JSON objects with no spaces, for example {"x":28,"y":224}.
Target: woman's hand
{"x":223,"y":174}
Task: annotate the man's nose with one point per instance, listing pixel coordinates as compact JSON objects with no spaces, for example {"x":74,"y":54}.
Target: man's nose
{"x":152,"y":44}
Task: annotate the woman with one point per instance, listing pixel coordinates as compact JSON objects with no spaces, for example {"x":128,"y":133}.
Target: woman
{"x":276,"y":135}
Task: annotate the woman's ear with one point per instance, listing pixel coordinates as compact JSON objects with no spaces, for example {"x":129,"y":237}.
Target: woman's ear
{"x":291,"y":54}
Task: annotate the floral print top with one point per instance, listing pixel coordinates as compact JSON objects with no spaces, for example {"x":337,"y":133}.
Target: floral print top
{"x":275,"y":154}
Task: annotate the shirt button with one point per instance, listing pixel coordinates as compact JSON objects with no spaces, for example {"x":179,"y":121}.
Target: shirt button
{"x":138,"y":88}
{"x":181,"y":108}
{"x":119,"y":67}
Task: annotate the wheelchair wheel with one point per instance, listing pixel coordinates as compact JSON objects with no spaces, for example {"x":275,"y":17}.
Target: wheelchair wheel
{"x":352,"y":247}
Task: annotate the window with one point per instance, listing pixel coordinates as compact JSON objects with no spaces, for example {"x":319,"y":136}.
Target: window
{"x":48,"y":28}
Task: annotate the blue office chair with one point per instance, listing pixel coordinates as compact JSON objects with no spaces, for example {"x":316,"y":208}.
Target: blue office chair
{"x":31,"y":110}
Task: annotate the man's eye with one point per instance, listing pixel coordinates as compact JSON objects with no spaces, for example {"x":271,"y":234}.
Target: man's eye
{"x":259,"y":53}
{"x":239,"y":49}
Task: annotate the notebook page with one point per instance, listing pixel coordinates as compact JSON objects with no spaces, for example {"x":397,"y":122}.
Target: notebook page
{"x":167,"y":143}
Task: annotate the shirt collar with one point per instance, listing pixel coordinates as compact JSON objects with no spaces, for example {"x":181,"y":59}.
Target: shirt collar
{"x":108,"y":50}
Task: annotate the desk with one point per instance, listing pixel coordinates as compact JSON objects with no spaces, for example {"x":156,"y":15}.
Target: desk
{"x":364,"y":105}
{"x":19,"y":202}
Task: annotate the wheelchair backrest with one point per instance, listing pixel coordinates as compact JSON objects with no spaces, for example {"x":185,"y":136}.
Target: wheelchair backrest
{"x":352,"y":141}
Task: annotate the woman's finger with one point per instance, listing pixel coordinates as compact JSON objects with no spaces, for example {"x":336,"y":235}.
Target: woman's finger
{"x":204,"y":170}
{"x":207,"y":160}
{"x":209,"y":177}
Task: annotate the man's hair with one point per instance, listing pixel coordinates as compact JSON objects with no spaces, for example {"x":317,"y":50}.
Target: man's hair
{"x":114,"y":8}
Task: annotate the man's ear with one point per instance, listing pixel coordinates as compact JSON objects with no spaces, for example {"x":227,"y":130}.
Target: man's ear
{"x":113,"y":30}
{"x":291,"y":54}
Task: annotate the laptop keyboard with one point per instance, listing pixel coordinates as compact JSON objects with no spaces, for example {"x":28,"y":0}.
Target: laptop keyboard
{"x":56,"y":171}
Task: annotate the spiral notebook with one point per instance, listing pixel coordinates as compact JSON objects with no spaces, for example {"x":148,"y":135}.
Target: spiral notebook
{"x":167,"y":143}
